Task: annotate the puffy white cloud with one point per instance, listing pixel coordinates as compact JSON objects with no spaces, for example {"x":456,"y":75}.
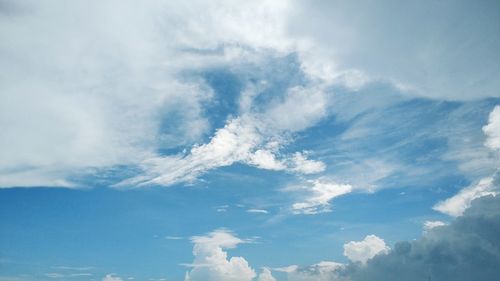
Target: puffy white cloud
{"x":211,"y":262}
{"x":306,"y":166}
{"x":362,"y":251}
{"x":265,"y":159}
{"x":111,"y":277}
{"x":492,"y":129}
{"x":457,"y":204}
{"x":317,"y":195}
{"x":266,"y":275}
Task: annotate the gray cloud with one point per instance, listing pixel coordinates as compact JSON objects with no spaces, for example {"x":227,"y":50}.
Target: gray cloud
{"x":467,"y":249}
{"x":438,"y":49}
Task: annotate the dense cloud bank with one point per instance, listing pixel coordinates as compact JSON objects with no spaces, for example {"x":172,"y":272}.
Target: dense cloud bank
{"x":467,"y":249}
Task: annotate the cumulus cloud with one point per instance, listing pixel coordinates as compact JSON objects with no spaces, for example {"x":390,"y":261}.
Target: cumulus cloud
{"x":266,"y":275}
{"x":492,"y":129}
{"x":467,"y":249}
{"x":316,"y":195}
{"x":211,"y":262}
{"x":362,"y":251}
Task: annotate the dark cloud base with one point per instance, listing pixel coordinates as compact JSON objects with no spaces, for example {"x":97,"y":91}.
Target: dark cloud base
{"x":466,"y":250}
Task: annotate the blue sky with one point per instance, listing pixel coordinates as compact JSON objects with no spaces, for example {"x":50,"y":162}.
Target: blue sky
{"x":268,"y":140}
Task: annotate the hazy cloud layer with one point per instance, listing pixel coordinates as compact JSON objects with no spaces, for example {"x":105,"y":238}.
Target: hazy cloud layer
{"x":116,"y":82}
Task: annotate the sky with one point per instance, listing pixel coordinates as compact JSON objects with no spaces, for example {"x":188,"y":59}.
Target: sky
{"x":249,"y":140}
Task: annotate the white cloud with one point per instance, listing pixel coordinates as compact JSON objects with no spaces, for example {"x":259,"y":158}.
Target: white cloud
{"x":428,"y":225}
{"x":67,"y":275}
{"x":252,"y":138}
{"x":259,"y":211}
{"x":456,"y":205}
{"x":211,"y":262}
{"x":265,"y":159}
{"x":101,"y":98}
{"x":92,"y":96}
{"x":111,"y":277}
{"x":300,"y":108}
{"x":317,"y":195}
{"x":266,"y":275}
{"x":492,"y":129}
{"x":286,"y":269}
{"x":306,"y":166}
{"x":362,"y":251}
{"x":89,"y":96}
{"x":427,"y":63}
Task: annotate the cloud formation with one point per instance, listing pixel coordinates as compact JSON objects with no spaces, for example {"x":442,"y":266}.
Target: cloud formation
{"x":240,"y":141}
{"x":316,"y":195}
{"x":266,"y":275}
{"x":362,"y":251}
{"x":211,"y":262}
{"x":492,"y":129}
{"x":323,"y":271}
{"x":467,"y":249}
{"x":457,"y":204}
{"x":95,"y":97}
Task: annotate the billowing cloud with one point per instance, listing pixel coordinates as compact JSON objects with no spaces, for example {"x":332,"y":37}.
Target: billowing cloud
{"x":362,"y":251}
{"x":211,"y":262}
{"x":467,"y":249}
{"x":316,"y":195}
{"x":266,"y":275}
